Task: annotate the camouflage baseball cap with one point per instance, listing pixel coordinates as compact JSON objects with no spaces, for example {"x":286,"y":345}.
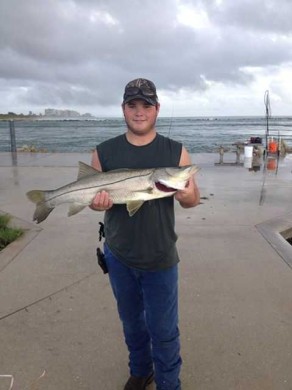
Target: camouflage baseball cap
{"x":141,"y":89}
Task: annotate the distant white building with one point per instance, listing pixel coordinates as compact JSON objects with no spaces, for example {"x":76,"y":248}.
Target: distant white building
{"x":52,"y":112}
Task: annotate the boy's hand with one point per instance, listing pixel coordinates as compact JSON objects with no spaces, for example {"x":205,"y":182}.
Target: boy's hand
{"x":101,"y":201}
{"x":189,"y":196}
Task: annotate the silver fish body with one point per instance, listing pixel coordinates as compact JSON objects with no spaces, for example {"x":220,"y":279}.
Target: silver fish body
{"x":125,"y":186}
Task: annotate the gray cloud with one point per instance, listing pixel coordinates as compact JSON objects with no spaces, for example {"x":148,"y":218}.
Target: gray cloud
{"x":269,"y":16}
{"x":82,"y":53}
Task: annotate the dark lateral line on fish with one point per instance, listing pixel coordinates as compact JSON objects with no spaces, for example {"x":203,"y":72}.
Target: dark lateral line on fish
{"x":46,"y":297}
{"x":89,"y":188}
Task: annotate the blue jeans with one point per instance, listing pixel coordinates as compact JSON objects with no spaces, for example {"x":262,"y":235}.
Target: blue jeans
{"x":148,"y":308}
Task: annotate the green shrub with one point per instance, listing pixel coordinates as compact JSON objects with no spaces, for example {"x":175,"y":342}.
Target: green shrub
{"x":7,"y":234}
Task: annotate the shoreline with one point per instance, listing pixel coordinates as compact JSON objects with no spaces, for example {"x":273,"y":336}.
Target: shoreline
{"x":199,"y":135}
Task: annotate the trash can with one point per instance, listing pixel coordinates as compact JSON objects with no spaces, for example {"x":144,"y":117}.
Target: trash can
{"x":248,"y":151}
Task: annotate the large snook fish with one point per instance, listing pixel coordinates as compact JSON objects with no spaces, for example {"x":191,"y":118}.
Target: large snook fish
{"x":130,"y":186}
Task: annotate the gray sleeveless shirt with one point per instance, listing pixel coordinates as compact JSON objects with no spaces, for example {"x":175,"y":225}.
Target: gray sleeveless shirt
{"x":147,"y":239}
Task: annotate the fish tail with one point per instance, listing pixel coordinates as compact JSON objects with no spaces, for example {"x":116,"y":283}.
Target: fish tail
{"x":42,"y":209}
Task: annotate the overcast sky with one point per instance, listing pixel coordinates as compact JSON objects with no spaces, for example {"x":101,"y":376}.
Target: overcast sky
{"x":207,"y":58}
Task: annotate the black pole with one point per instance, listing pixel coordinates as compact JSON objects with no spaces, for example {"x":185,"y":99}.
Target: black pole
{"x":13,"y":142}
{"x":12,"y":136}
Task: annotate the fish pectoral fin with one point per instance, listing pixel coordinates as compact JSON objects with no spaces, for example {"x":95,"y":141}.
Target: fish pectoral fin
{"x":75,"y":208}
{"x":134,"y":206}
{"x":86,"y":170}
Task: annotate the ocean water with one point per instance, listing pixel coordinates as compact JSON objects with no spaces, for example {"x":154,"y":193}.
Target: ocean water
{"x":199,"y":135}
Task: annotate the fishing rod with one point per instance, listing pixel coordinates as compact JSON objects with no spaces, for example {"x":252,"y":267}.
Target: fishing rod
{"x":171,"y":120}
{"x":268,"y":115}
{"x":263,"y":189}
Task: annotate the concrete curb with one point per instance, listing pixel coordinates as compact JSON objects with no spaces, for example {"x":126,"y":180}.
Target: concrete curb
{"x":8,"y":254}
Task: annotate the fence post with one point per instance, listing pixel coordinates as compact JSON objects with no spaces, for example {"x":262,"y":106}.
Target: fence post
{"x":13,"y":142}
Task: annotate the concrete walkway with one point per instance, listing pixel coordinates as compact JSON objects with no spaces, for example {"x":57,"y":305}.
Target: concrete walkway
{"x":57,"y":313}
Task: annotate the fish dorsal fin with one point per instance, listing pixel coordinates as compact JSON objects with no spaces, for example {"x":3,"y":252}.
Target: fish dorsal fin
{"x":133,"y":206}
{"x":75,"y":208}
{"x":86,"y":170}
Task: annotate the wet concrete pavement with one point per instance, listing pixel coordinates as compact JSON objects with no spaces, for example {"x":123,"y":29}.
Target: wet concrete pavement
{"x":57,"y":313}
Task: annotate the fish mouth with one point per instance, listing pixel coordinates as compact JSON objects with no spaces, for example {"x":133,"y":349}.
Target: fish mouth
{"x":164,"y":188}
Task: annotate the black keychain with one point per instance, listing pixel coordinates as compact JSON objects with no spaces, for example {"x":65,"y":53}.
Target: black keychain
{"x":100,"y":255}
